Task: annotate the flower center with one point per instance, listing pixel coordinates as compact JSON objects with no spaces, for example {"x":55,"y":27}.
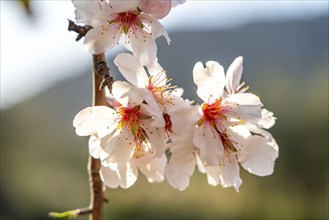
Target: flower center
{"x":129,"y":20}
{"x":213,"y":112}
{"x":130,"y":119}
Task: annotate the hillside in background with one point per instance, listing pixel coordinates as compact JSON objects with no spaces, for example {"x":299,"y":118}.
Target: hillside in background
{"x":285,"y":63}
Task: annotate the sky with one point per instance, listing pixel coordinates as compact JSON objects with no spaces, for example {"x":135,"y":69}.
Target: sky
{"x":36,"y":54}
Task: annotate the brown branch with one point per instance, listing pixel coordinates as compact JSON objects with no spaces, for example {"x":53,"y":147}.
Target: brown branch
{"x":101,"y":78}
{"x":94,"y":165}
{"x":81,"y":30}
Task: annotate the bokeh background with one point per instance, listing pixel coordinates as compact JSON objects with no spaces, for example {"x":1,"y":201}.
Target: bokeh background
{"x":45,"y":82}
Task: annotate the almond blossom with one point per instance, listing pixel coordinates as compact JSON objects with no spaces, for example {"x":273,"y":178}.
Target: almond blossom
{"x":222,"y":138}
{"x":121,"y":137}
{"x":177,"y":112}
{"x":119,"y":21}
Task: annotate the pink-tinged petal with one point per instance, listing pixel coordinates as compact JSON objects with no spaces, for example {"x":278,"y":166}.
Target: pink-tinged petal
{"x":126,"y":94}
{"x":97,"y":120}
{"x":143,"y":47}
{"x":131,"y":69}
{"x":233,"y":75}
{"x":230,"y":172}
{"x":102,"y":38}
{"x":182,"y":161}
{"x":210,"y":80}
{"x":120,"y":147}
{"x":154,"y":169}
{"x":159,"y":9}
{"x":258,"y":155}
{"x":208,"y":141}
{"x":93,"y":12}
{"x":123,"y":5}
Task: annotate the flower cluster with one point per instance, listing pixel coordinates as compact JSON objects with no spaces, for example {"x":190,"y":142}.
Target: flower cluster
{"x":149,"y":127}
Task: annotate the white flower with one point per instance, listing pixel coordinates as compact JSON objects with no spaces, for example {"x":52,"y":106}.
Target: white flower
{"x":124,"y":132}
{"x":119,"y":20}
{"x":182,"y":161}
{"x":221,"y":134}
{"x":177,"y":112}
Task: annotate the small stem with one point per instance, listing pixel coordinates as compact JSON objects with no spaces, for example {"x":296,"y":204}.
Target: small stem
{"x":81,"y":30}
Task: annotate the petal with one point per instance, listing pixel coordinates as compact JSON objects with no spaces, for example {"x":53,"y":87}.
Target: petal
{"x":230,"y":172}
{"x":182,"y":115}
{"x":209,"y":143}
{"x":128,"y":175}
{"x":95,"y":148}
{"x":156,"y":139}
{"x":213,"y":173}
{"x":153,"y":110}
{"x":126,"y":94}
{"x":143,"y":47}
{"x":93,"y":13}
{"x":244,"y":105}
{"x":100,"y":39}
{"x":123,"y":5}
{"x":233,"y":75}
{"x":210,"y":80}
{"x":182,"y":161}
{"x":131,"y":69}
{"x":111,"y":178}
{"x":258,"y":155}
{"x":157,"y":29}
{"x":124,"y":176}
{"x":97,"y":120}
{"x":154,"y":169}
{"x":159,"y":9}
{"x":268,"y":120}
{"x":120,"y":147}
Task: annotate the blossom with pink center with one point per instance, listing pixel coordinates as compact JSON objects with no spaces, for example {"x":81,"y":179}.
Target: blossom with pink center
{"x":121,"y":137}
{"x":119,"y":21}
{"x":221,"y":139}
{"x":177,"y":112}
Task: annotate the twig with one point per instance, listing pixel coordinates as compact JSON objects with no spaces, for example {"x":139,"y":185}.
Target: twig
{"x":81,"y":30}
{"x":99,"y":61}
{"x":71,"y":213}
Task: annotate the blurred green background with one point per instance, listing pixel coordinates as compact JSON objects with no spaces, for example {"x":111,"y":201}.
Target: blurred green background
{"x":43,"y":161}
